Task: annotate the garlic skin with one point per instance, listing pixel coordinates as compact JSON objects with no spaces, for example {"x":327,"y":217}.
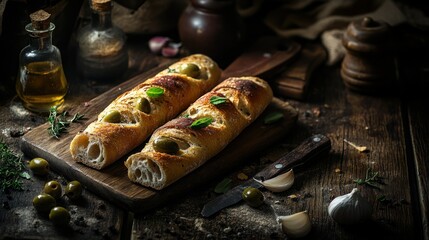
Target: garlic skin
{"x":296,"y":225}
{"x":280,"y":183}
{"x":350,"y":208}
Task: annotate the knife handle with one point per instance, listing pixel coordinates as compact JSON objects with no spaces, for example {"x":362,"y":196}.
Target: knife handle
{"x":313,"y":147}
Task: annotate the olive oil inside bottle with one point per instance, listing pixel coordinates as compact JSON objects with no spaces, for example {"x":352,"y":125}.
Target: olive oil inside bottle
{"x":41,"y":85}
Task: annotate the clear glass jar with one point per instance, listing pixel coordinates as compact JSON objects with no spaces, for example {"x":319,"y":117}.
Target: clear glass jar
{"x":41,"y":82}
{"x":102,"y":52}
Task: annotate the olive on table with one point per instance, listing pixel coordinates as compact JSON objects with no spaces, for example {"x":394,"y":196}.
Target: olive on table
{"x":73,"y":190}
{"x":190,"y":69}
{"x":39,"y":166}
{"x":53,"y":188}
{"x":253,"y":197}
{"x":165,"y":145}
{"x":113,"y":116}
{"x":143,"y":105}
{"x":44,"y":202}
{"x":59,"y":216}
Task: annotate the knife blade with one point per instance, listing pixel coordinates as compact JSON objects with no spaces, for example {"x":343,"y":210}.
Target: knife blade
{"x":310,"y":149}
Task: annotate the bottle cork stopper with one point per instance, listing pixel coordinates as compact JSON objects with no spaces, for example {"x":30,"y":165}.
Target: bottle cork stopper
{"x":101,"y":5}
{"x":40,"y":20}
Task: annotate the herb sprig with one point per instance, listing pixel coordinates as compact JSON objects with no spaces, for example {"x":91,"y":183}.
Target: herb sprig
{"x":58,"y":122}
{"x":11,"y":169}
{"x":371,"y":179}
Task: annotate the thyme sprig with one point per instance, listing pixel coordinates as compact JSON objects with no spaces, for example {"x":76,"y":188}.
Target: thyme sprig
{"x":371,"y":179}
{"x":58,"y":122}
{"x":11,"y":169}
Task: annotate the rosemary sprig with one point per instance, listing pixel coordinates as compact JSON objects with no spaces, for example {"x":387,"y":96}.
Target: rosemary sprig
{"x":11,"y":169}
{"x":371,"y":179}
{"x":58,"y":123}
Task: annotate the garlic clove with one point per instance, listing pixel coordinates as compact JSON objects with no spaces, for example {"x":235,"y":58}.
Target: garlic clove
{"x":296,"y":225}
{"x":169,"y":51}
{"x":157,"y":43}
{"x":350,"y":208}
{"x":280,"y":183}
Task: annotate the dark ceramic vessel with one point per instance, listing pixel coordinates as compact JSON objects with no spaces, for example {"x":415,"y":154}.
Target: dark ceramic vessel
{"x":213,"y":28}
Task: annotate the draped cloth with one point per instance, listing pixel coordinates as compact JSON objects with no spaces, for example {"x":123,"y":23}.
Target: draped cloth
{"x":327,"y":20}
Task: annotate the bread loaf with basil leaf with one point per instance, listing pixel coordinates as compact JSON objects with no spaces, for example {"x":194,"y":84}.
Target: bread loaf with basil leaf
{"x":130,"y":119}
{"x":199,"y":133}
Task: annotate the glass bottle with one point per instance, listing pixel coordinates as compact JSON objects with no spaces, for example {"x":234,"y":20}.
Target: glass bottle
{"x":41,"y":82}
{"x":102,"y":52}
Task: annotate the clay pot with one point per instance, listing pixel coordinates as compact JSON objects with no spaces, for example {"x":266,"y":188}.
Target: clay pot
{"x":213,"y":28}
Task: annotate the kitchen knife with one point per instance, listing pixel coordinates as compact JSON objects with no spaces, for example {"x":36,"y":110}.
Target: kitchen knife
{"x":311,"y":148}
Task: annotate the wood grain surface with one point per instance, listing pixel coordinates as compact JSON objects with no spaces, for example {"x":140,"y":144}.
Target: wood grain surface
{"x":419,"y":134}
{"x":113,"y":183}
{"x":371,"y":121}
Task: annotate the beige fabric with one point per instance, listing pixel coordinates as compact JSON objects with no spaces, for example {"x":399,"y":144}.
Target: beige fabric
{"x":154,"y":16}
{"x":332,"y":41}
{"x":311,"y":19}
{"x":309,"y":22}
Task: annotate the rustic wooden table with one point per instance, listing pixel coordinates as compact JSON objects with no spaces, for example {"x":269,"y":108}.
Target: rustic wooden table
{"x":394,"y":127}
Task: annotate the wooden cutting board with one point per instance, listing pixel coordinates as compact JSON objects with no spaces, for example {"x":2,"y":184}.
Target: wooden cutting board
{"x":112,"y":183}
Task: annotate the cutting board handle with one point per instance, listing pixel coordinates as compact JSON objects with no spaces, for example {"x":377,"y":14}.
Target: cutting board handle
{"x":267,"y":57}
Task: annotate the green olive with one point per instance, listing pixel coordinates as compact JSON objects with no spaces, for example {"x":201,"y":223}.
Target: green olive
{"x":190,"y":69}
{"x":113,"y":116}
{"x":59,"y":216}
{"x":39,"y":166}
{"x":165,"y":145}
{"x":53,"y":188}
{"x":143,"y":105}
{"x":73,"y":190}
{"x":44,"y":202}
{"x":253,"y":197}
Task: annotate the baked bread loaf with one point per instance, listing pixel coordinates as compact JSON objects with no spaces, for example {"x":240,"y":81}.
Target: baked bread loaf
{"x":129,"y":120}
{"x":203,"y":130}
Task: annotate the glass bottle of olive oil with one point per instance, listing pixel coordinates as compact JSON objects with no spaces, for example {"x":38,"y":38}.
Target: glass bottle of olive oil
{"x":41,"y":82}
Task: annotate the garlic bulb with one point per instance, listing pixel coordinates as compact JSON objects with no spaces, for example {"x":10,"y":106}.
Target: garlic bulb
{"x":296,"y":225}
{"x":350,"y":208}
{"x":280,"y":183}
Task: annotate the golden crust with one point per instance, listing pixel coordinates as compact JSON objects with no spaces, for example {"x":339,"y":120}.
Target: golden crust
{"x":114,"y":140}
{"x":247,"y":97}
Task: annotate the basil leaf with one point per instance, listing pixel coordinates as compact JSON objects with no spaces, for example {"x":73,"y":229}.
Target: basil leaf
{"x":223,"y":186}
{"x":155,"y":92}
{"x":216,"y":100}
{"x":273,"y":117}
{"x":201,"y":123}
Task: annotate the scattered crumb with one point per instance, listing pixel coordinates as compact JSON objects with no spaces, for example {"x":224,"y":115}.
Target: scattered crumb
{"x":359,"y":148}
{"x":242,"y":176}
{"x":293,"y":197}
{"x":316,"y":111}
